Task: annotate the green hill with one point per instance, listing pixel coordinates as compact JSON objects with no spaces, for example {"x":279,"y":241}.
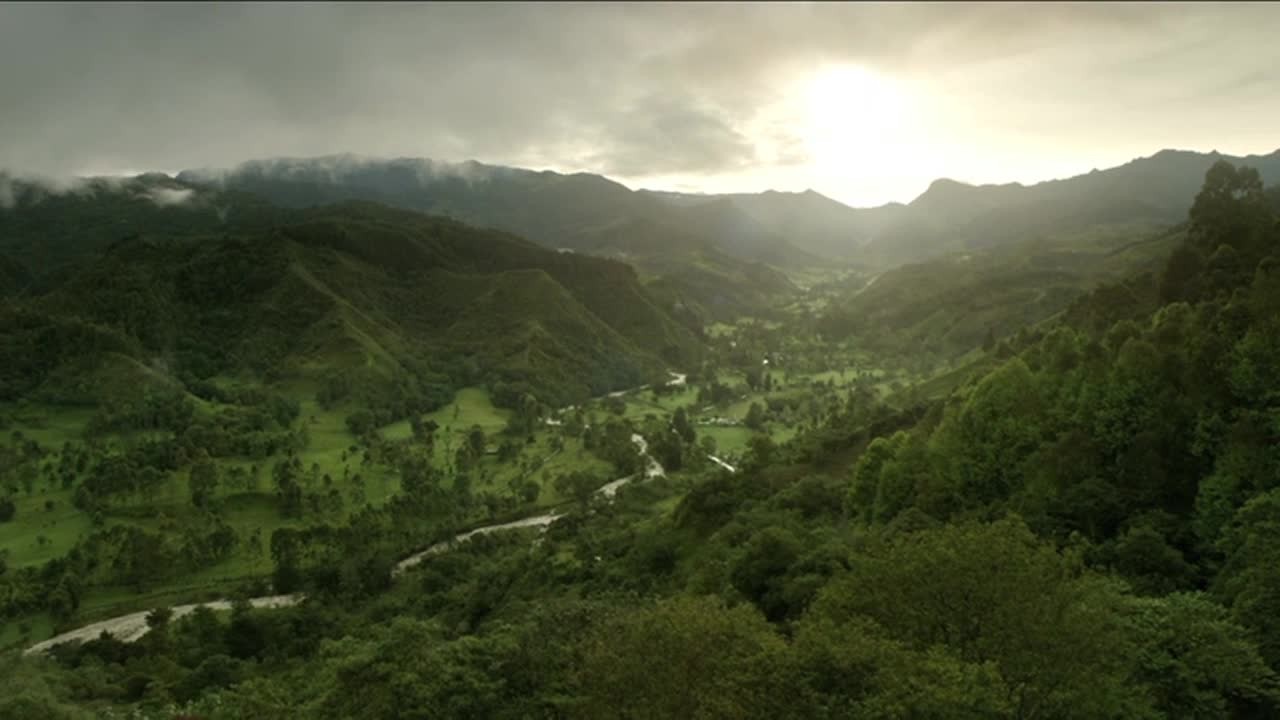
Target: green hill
{"x":951,"y":304}
{"x":689,"y":272}
{"x":716,"y":288}
{"x":356,"y":289}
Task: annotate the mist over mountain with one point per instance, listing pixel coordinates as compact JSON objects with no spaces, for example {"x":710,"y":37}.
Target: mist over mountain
{"x":51,"y":225}
{"x":792,"y":229}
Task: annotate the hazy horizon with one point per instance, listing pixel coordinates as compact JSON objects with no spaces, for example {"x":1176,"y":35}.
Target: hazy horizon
{"x":57,"y":181}
{"x":864,"y":103}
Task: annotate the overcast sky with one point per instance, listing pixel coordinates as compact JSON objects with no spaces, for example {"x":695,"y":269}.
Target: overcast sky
{"x":865,"y":103}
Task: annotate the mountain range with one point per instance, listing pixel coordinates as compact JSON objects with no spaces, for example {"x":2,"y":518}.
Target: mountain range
{"x":591,"y":213}
{"x":611,"y":286}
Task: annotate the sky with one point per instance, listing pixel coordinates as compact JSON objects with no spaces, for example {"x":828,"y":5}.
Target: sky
{"x":866,"y":103}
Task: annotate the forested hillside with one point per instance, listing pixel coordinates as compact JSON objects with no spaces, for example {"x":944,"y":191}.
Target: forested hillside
{"x":1081,"y":526}
{"x":173,"y":397}
{"x":47,"y":228}
{"x":960,"y":301}
{"x":13,"y":276}
{"x":338,"y":291}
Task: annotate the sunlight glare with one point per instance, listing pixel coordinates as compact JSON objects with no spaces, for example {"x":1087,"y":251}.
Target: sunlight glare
{"x":855,"y":116}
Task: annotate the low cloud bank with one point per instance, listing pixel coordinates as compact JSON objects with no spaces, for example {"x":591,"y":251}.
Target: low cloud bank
{"x":18,"y":190}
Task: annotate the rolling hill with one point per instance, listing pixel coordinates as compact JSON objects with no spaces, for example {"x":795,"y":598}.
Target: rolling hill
{"x":947,"y":305}
{"x":357,"y":288}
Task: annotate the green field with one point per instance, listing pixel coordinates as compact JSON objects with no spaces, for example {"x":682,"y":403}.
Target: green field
{"x":730,"y":441}
{"x":47,"y":525}
{"x":23,"y":631}
{"x":38,"y":534}
{"x":471,"y":406}
{"x":643,"y":402}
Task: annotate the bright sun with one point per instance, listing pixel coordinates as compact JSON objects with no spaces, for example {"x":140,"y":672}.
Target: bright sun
{"x":854,"y":116}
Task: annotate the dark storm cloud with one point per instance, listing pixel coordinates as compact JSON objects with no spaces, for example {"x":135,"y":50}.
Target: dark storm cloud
{"x":629,"y":89}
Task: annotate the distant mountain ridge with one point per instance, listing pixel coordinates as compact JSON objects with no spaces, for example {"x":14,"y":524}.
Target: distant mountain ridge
{"x":585,"y":212}
{"x":553,"y":209}
{"x":781,"y":228}
{"x":955,"y":216}
{"x":952,"y":215}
